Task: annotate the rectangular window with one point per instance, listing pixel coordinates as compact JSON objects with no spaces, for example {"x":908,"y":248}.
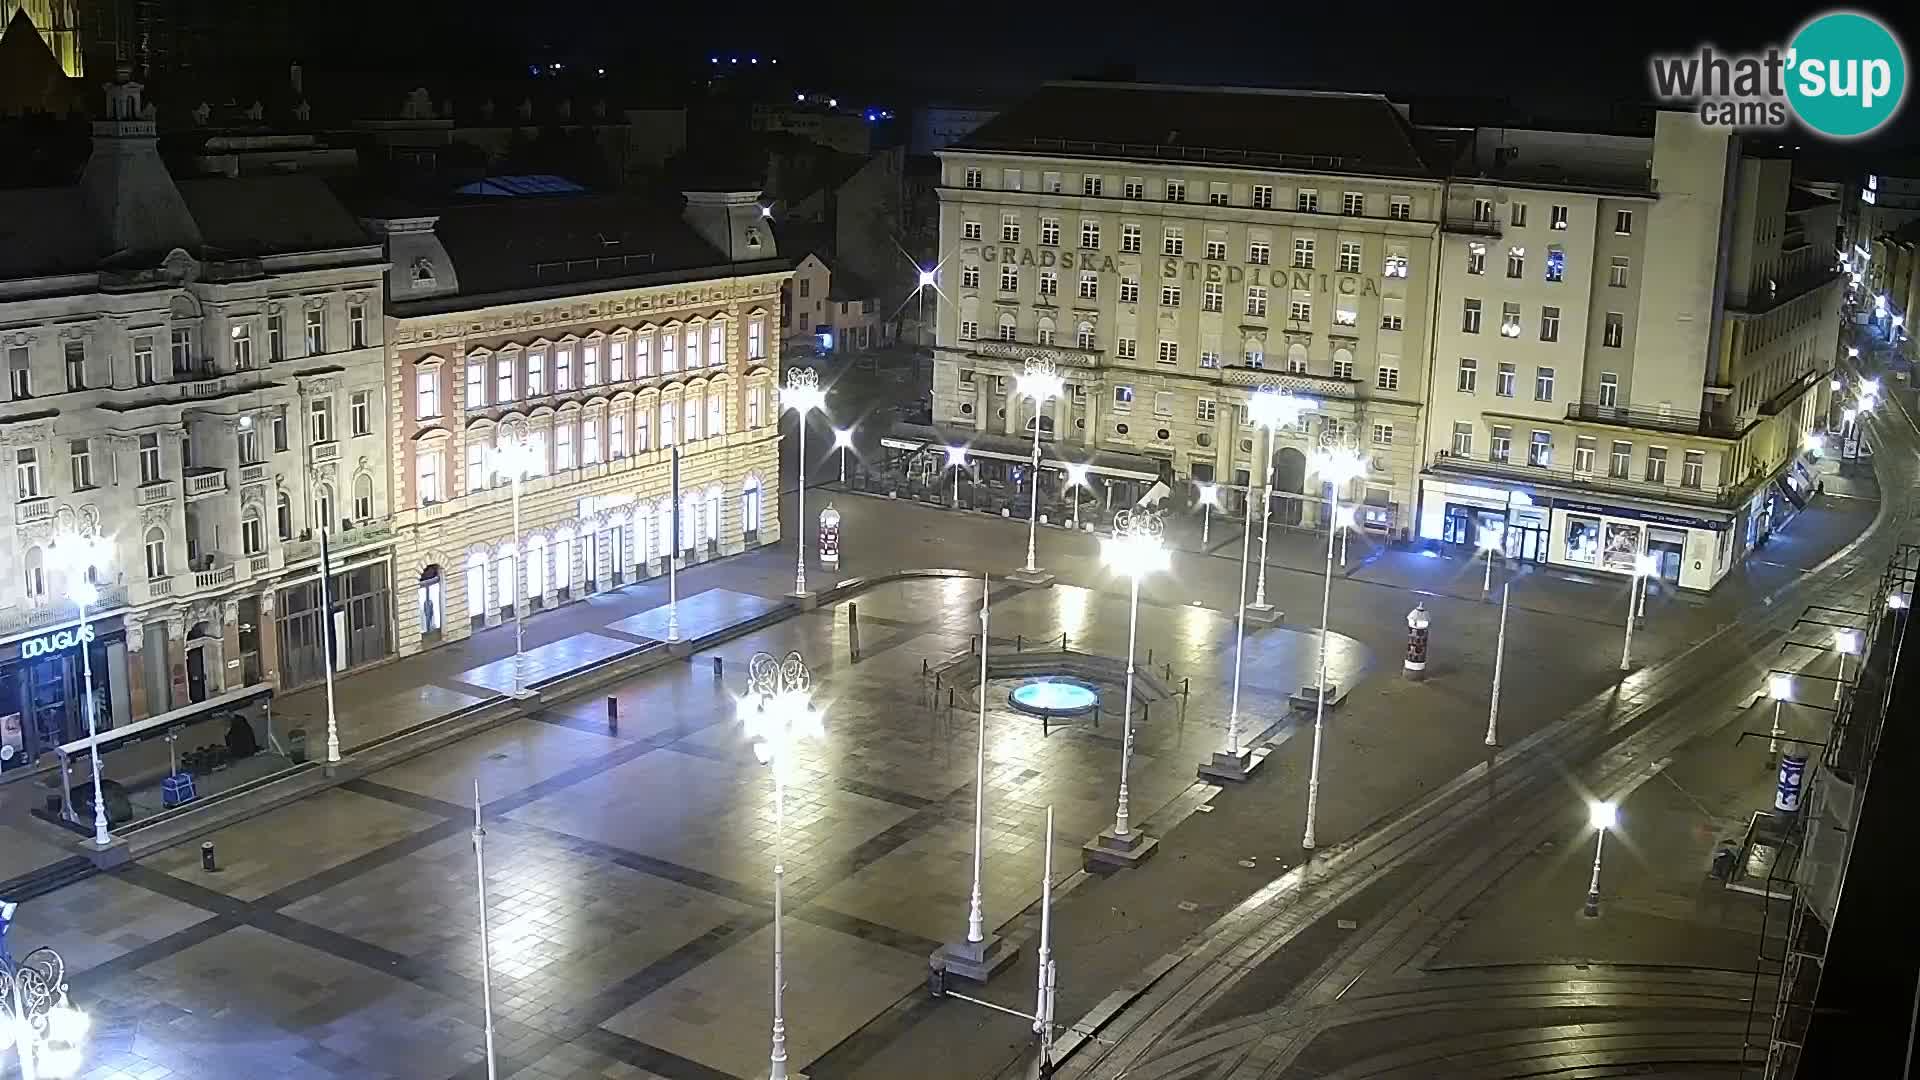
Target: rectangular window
{"x":427,"y":482}
{"x":1383,"y":434}
{"x":476,"y":383}
{"x":1216,"y":250}
{"x":1549,"y":324}
{"x":643,"y":356}
{"x":1126,"y":348}
{"x":1130,"y":238}
{"x":426,"y":395}
{"x":969,"y":277}
{"x":280,"y":429}
{"x":1500,"y":445}
{"x":1214,"y":298}
{"x":1129,"y":290}
{"x":1217,"y":194}
{"x":1009,"y":278}
{"x":476,"y":465}
{"x":1172,"y":242}
{"x":617,"y":360}
{"x":1353,"y":204}
{"x":1583,"y":448}
{"x":1049,"y":283}
{"x":669,"y":351}
{"x":276,"y":337}
{"x":1009,"y":230}
{"x":1517,"y":215}
{"x":26,"y":472}
{"x":1049,"y":232}
{"x":1392,"y":320}
{"x":1300,"y":310}
{"x":1462,"y":439}
{"x":1476,"y":258}
{"x":1400,"y":208}
{"x":1559,"y":217}
{"x":1343,"y":369}
{"x":1205,"y":410}
{"x":1503,"y":380}
{"x":1255,"y":356}
{"x":973,"y":180}
{"x":1089,"y":285}
{"x":1387,"y":377}
{"x":756,"y":338}
{"x":150,"y":468}
{"x":1090,"y":235}
{"x":1656,"y":464}
{"x":1044,"y":335}
{"x":1209,"y":359}
{"x":590,"y":364}
{"x":181,"y":343}
{"x":1516,"y":261}
{"x":1007,"y":329}
{"x":1615,"y":331}
{"x":360,"y":412}
{"x":144,"y":373}
{"x":1169,"y":352}
{"x":617,"y":434}
{"x":1609,"y":390}
{"x":1540,"y":450}
{"x":1617,"y":269}
{"x":316,"y":331}
{"x":1543,"y":384}
{"x":536,"y":373}
{"x":80,"y":454}
{"x":971,"y":230}
{"x":503,"y":382}
{"x":1256,"y":301}
{"x":1693,"y":467}
{"x":1303,"y":253}
{"x":320,"y":420}
{"x":1306,"y":201}
{"x":643,"y":428}
{"x":1349,"y":257}
{"x":1483,"y":210}
{"x":1469,"y":378}
{"x":1262,"y":197}
{"x":1621,"y":460}
{"x":1163,"y":404}
{"x":1470,"y":317}
{"x":1135,"y":188}
{"x":1623,"y":222}
{"x":1122,"y":398}
{"x":357,"y":325}
{"x":248,"y":442}
{"x":1176,"y":191}
{"x":1169,"y":296}
{"x":1090,"y":185}
{"x":969,"y":330}
{"x":563,"y":446}
{"x":1510,"y":320}
{"x":1344,"y":313}
{"x":76,"y":361}
{"x":1011,"y":179}
{"x":1085,"y":338}
{"x":1260,"y":253}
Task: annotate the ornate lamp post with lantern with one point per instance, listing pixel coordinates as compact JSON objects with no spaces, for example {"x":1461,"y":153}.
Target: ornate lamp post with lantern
{"x":80,"y":559}
{"x":1136,"y":549}
{"x":1338,"y":465}
{"x":1040,"y":382}
{"x":1270,"y":409}
{"x":37,"y":1021}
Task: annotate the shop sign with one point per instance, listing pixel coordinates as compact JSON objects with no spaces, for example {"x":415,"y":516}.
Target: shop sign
{"x":1640,"y":515}
{"x":58,"y":641}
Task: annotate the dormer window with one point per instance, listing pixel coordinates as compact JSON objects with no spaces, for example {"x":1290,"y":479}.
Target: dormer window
{"x":753,"y":237}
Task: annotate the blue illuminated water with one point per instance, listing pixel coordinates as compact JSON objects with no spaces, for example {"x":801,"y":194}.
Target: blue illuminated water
{"x":1057,"y":698}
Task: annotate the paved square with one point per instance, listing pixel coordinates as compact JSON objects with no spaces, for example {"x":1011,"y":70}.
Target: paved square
{"x":267,"y":853}
{"x":547,"y":661}
{"x":505,"y":759}
{"x":721,"y":1014}
{"x":99,"y":919}
{"x":699,"y":614}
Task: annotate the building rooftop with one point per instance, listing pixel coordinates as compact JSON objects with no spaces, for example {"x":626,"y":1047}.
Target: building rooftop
{"x":251,"y":216}
{"x":1357,"y":133}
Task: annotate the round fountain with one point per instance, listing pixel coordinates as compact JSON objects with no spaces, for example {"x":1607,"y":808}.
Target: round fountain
{"x":1054,"y":698}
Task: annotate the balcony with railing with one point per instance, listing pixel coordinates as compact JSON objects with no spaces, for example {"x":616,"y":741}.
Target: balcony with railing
{"x":51,"y":612}
{"x":1469,"y":225}
{"x":29,"y":511}
{"x":308,"y":547}
{"x":1299,"y":383}
{"x":154,"y":493}
{"x":218,"y":571}
{"x":1706,"y":425}
{"x":324,"y":452}
{"x":256,"y":473}
{"x":1586,"y":480}
{"x":202,"y":481}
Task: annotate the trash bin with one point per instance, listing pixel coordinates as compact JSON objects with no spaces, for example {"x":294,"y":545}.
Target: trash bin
{"x":297,"y":745}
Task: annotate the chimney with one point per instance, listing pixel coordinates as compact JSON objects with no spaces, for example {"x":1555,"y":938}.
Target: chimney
{"x":733,"y":222}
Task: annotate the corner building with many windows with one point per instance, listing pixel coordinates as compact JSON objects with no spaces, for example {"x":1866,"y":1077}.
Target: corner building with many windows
{"x":1174,"y":249}
{"x":1632,"y":348}
{"x":601,"y":332}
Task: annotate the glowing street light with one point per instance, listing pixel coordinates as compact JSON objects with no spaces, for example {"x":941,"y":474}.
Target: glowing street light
{"x":1835,"y":385}
{"x":802,"y":394}
{"x":1209,"y":498}
{"x":1135,"y":550}
{"x":516,"y":458}
{"x":1490,"y":542}
{"x":843,"y":441}
{"x":1780,"y":689}
{"x":36,"y":1020}
{"x":1499,"y":663}
{"x":777,"y":713}
{"x":1337,"y":466}
{"x":1897,"y":601}
{"x":1846,"y":643}
{"x":81,"y":559}
{"x":926,"y":278}
{"x":1271,"y":409}
{"x":975,"y":956}
{"x":1040,"y":382}
{"x":1644,"y":567}
{"x":1345,"y":519}
{"x":1815,"y":444}
{"x":1602,"y":816}
{"x":1076,"y":479}
{"x":1871,"y":387}
{"x":956,"y":460}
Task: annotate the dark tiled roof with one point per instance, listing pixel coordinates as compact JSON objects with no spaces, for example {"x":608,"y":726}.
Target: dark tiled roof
{"x":1360,"y":133}
{"x":46,"y":231}
{"x":509,"y":244}
{"x":1799,"y":199}
{"x":269,"y":215}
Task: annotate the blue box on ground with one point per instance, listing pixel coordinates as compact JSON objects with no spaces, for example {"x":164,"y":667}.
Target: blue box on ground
{"x":176,"y":789}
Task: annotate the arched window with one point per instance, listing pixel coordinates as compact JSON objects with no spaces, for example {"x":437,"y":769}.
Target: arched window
{"x":504,"y":577}
{"x":156,"y":554}
{"x":1083,"y":336}
{"x":322,"y":506}
{"x":253,"y":531}
{"x":563,"y":558}
{"x":1043,"y":333}
{"x":1256,"y":353}
{"x":363,"y":497}
{"x":283,"y":515}
{"x":1297,"y":358}
{"x":693,"y":406}
{"x":1008,"y":328}
{"x":750,"y":505}
{"x":711,"y":532}
{"x":36,"y":566}
{"x":536,"y":566}
{"x":476,"y":586}
{"x":716,"y":412}
{"x":689,"y":514}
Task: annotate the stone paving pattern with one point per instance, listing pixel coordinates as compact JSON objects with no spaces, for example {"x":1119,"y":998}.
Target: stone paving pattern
{"x":629,"y":872}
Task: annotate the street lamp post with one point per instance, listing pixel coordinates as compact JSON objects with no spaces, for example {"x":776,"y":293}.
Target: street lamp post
{"x":1209,"y":496}
{"x":802,"y":394}
{"x":1644,"y":567}
{"x":1040,"y":382}
{"x":777,"y":712}
{"x":36,"y":1020}
{"x":1076,"y":478}
{"x":486,"y":936}
{"x":81,"y":558}
{"x":1346,"y":520}
{"x":1232,"y":765}
{"x":978,"y":956}
{"x":843,"y":441}
{"x":1135,"y":550}
{"x":1337,"y":466}
{"x":1490,"y":541}
{"x":956,"y":460}
{"x":1846,"y":643}
{"x":1602,"y":816}
{"x":1780,"y":689}
{"x":516,"y":459}
{"x":1499,"y":663}
{"x":1270,"y":409}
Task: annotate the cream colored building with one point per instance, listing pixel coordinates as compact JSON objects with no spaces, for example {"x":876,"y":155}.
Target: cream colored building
{"x":605,"y":333}
{"x":1174,"y":249}
{"x":1633,"y":342}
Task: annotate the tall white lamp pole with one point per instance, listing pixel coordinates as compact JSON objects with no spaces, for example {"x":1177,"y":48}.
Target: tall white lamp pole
{"x":1270,"y":409}
{"x":486,"y":936}
{"x":1076,"y":478}
{"x":1499,"y":662}
{"x":1209,"y":495}
{"x":516,"y":459}
{"x":976,"y":921}
{"x":956,"y":460}
{"x":1039,"y":382}
{"x":1780,"y":689}
{"x":1232,"y":765}
{"x":1043,"y":1004}
{"x":1602,"y":816}
{"x":1490,"y":540}
{"x":778,"y":711}
{"x":80,"y":559}
{"x":802,"y":394}
{"x":1136,"y":549}
{"x":1644,"y":566}
{"x":843,"y":441}
{"x":1337,"y":466}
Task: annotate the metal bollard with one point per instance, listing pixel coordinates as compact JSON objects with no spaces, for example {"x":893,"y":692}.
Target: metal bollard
{"x":923,"y":667}
{"x":1019,"y":642}
{"x":613,"y":714}
{"x":1169,"y":672}
{"x":207,"y":862}
{"x":1186,"y":687}
{"x":1146,"y":712}
{"x":719,"y":663}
